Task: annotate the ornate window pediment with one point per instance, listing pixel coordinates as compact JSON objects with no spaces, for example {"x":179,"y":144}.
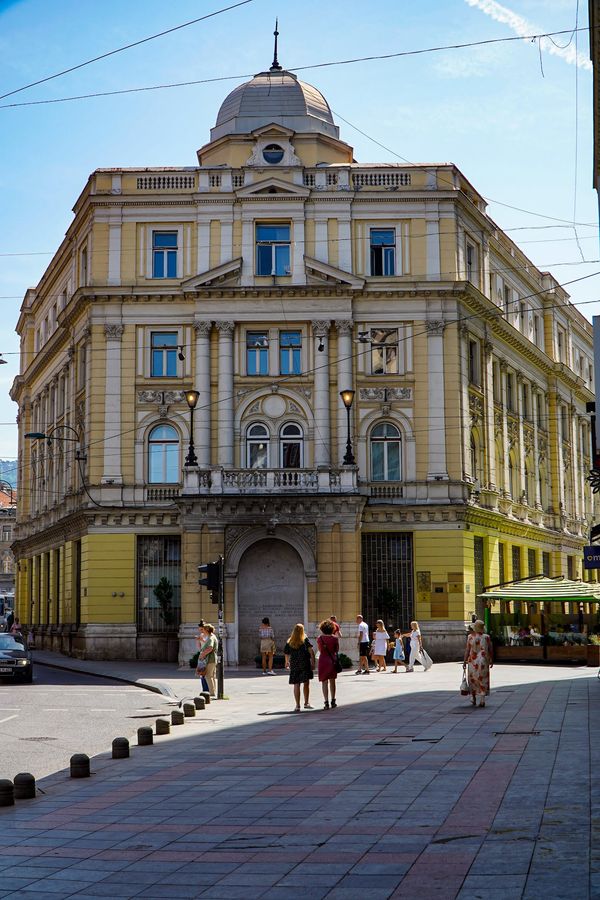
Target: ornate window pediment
{"x":273,"y":185}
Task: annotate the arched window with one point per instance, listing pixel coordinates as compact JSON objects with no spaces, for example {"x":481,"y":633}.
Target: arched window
{"x":163,"y":455}
{"x":257,"y":447}
{"x":291,"y":439}
{"x":386,"y":462}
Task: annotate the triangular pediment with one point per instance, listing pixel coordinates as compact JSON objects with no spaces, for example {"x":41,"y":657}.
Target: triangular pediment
{"x":272,"y":185}
{"x":273,"y":129}
{"x":227,"y":273}
{"x":318,"y":272}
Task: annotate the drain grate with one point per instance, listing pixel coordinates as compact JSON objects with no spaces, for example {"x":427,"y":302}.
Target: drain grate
{"x":502,"y":733}
{"x":38,"y":739}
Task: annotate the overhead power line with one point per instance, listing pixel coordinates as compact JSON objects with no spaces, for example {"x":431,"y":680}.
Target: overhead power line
{"x":145,"y":40}
{"x":322,"y":65}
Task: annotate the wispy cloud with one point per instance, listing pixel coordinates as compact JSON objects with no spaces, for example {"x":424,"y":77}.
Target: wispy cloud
{"x":522,"y":27}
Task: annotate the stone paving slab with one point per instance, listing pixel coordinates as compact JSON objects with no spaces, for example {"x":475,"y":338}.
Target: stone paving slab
{"x":404,"y":789}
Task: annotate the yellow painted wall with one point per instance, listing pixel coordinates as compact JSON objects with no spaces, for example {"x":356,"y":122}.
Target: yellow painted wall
{"x":443,"y":554}
{"x":107,"y":566}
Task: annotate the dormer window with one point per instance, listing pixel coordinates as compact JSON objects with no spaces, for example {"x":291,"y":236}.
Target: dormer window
{"x":273,"y":154}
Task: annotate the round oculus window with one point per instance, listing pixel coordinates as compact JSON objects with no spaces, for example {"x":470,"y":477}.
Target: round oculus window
{"x":273,"y":154}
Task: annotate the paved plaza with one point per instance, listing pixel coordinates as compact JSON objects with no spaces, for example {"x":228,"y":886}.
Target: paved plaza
{"x":403,"y":791}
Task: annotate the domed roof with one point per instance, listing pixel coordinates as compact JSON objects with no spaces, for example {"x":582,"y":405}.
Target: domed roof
{"x":274,"y":96}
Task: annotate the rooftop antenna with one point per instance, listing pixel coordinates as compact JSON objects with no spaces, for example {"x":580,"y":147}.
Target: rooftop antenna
{"x":275,"y":67}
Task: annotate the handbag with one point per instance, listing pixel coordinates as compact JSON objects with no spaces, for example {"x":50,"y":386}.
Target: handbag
{"x":464,"y":685}
{"x":335,"y":660}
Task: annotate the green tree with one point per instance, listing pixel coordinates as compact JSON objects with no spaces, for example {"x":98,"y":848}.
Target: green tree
{"x":164,"y":594}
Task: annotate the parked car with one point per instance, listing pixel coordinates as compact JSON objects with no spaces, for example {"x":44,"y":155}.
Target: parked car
{"x":16,"y":661}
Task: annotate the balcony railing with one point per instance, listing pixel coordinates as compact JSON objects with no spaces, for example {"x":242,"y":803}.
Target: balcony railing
{"x":268,"y":481}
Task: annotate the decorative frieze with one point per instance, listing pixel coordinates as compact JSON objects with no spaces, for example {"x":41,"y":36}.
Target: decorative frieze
{"x":385,"y":394}
{"x":161,"y":397}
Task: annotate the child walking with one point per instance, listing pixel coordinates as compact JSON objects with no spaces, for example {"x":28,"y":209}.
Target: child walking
{"x":398,"y":651}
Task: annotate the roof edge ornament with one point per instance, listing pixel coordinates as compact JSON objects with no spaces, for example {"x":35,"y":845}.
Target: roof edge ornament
{"x":275,"y":67}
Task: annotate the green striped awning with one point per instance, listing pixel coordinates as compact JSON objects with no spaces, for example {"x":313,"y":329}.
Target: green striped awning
{"x":542,"y":589}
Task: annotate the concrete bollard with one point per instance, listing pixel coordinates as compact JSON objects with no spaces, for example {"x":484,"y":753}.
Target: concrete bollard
{"x":189,"y":710}
{"x":80,"y":765}
{"x":199,"y":702}
{"x":24,"y":786}
{"x":145,"y":736}
{"x":163,"y":727}
{"x":7,"y":792}
{"x":206,"y":696}
{"x":177,"y":717}
{"x":120,"y":748}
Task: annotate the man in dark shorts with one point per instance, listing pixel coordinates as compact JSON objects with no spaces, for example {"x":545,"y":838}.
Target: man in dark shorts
{"x":363,"y":647}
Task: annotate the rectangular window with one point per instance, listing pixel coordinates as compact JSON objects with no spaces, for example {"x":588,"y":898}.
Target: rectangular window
{"x":257,"y":353}
{"x":539,"y":409}
{"x":164,"y":254}
{"x":537,"y":331}
{"x":470,"y":261}
{"x":387,"y":571}
{"x":496,"y":383}
{"x":474,"y":376}
{"x":546,"y":563}
{"x":83,"y":269}
{"x":564,"y":424}
{"x":81,"y":367}
{"x":516,"y":563}
{"x":383,"y":251}
{"x":479,"y":566}
{"x":290,"y":352}
{"x":273,"y":250}
{"x":164,"y":349}
{"x":506,"y":301}
{"x":501,"y":564}
{"x":384,"y":351}
{"x":522,"y":318}
{"x":561,"y":344}
{"x":531,"y":562}
{"x":570,"y":567}
{"x":510,"y":392}
{"x":525,"y":401}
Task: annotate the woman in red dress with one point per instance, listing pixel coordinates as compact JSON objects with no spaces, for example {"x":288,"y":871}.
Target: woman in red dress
{"x":329,"y":646}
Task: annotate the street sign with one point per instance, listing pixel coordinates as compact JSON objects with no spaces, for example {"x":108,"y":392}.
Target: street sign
{"x":591,"y":557}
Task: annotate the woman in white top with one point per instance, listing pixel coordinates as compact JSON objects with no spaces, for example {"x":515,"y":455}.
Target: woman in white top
{"x":416,"y":646}
{"x":380,"y":645}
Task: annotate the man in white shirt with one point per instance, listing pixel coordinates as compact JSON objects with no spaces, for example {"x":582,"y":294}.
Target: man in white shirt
{"x":363,"y":646}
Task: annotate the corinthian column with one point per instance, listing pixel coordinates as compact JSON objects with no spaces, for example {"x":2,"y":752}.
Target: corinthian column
{"x":202,"y":384}
{"x":225,"y":393}
{"x":344,"y":379}
{"x":321,"y":404}
{"x":112,"y":405}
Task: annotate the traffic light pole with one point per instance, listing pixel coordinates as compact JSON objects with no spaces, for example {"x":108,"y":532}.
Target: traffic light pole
{"x":221,"y":633}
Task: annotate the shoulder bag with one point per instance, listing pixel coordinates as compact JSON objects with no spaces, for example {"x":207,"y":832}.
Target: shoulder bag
{"x":335,"y":659}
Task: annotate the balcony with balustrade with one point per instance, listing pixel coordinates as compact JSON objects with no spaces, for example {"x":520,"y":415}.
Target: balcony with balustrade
{"x":225,"y":481}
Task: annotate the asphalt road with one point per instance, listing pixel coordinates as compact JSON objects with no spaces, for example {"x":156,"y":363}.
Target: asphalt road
{"x":43,"y":724}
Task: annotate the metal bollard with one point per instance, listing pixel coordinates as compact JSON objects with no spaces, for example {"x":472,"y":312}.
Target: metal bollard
{"x":80,"y":765}
{"x":24,"y":786}
{"x":177,"y":717}
{"x":7,"y":792}
{"x":189,"y":710}
{"x":199,"y":702}
{"x":120,"y":748}
{"x":163,"y":726}
{"x":206,"y":696}
{"x":145,"y":736}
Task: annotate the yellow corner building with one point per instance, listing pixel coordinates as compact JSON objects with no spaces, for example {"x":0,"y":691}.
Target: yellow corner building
{"x":270,"y":277}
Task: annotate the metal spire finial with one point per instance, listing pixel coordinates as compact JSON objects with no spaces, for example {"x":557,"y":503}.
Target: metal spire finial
{"x":275,"y":67}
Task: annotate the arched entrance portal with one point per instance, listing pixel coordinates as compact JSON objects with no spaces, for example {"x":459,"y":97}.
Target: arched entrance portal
{"x":270,"y":583}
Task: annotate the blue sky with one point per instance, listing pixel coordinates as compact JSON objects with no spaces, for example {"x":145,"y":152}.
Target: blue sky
{"x":490,"y":110}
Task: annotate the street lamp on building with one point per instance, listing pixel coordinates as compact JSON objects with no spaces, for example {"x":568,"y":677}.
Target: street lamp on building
{"x":192,"y":399}
{"x":52,"y":436}
{"x":348,"y":399}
